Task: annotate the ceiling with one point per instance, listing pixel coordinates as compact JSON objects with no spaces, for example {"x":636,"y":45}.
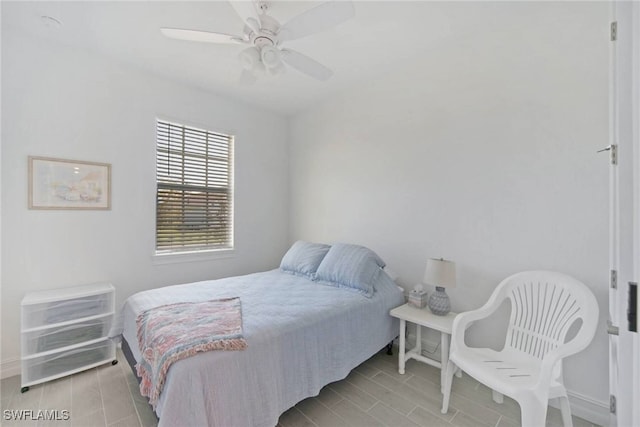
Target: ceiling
{"x":382,"y":35}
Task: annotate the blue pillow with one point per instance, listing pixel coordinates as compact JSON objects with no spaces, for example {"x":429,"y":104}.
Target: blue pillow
{"x":303,"y":258}
{"x":351,"y":267}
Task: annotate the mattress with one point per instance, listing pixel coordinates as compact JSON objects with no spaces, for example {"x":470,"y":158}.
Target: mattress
{"x":301,"y":335}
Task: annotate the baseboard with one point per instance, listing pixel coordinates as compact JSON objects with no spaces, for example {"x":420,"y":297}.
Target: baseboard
{"x":585,"y":407}
{"x":9,"y":368}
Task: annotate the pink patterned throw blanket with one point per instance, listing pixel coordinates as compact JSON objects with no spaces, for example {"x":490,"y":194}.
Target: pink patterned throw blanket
{"x":172,"y":332}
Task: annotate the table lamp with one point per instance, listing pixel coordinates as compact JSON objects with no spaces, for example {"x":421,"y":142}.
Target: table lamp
{"x":441,"y":274}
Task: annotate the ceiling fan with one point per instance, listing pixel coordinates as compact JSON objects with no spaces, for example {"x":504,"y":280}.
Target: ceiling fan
{"x":264,"y":36}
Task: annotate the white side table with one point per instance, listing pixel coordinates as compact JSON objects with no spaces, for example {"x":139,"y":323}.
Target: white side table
{"x":423,"y":317}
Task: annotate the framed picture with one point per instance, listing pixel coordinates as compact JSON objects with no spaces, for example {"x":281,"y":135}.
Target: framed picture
{"x":68,"y":184}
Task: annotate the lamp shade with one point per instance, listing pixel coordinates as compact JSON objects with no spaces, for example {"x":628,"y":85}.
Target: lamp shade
{"x":441,"y":273}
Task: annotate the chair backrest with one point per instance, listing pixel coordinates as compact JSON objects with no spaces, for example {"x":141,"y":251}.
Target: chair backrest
{"x":544,"y":305}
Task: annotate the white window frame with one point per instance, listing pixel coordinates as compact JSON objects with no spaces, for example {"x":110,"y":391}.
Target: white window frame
{"x":203,"y":253}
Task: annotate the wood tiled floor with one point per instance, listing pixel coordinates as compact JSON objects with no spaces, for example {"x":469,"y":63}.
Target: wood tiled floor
{"x":374,"y":394}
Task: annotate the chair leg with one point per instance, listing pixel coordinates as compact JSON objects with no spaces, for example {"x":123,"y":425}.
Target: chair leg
{"x":565,"y":409}
{"x":446,"y":391}
{"x":533,"y":412}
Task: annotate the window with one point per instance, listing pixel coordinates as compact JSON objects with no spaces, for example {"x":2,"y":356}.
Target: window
{"x":194,"y":196}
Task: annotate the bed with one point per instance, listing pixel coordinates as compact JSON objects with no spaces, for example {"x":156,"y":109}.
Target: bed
{"x":305,"y":326}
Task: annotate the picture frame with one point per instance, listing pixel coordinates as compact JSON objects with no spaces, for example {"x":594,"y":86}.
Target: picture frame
{"x":69,"y":184}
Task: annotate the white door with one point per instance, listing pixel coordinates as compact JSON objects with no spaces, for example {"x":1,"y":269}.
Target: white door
{"x":624,"y":347}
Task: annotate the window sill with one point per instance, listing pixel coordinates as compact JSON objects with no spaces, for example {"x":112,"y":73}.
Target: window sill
{"x":194,"y":256}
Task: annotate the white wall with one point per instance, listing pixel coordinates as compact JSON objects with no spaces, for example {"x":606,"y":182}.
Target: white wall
{"x":482,"y":151}
{"x":66,"y":103}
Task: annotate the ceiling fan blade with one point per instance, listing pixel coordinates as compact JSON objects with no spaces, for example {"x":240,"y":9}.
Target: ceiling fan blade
{"x":306,"y":65}
{"x":246,"y":10}
{"x":247,"y":78}
{"x":200,"y":36}
{"x":318,"y":19}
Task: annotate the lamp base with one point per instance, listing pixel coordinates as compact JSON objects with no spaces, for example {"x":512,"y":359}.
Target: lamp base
{"x":439,"y":302}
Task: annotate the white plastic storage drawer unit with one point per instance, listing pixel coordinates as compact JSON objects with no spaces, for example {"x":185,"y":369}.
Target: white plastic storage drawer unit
{"x":65,"y":331}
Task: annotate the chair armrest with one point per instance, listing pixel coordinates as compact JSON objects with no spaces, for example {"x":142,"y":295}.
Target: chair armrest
{"x":465,"y":319}
{"x":549,"y":361}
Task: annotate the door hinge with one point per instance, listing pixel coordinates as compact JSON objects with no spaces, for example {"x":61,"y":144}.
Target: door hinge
{"x":612,"y":404}
{"x":612,"y":329}
{"x":614,"y":31}
{"x":613,"y":281}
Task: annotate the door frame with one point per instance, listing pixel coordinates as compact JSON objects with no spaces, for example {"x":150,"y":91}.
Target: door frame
{"x":625,"y":208}
{"x":635,"y":114}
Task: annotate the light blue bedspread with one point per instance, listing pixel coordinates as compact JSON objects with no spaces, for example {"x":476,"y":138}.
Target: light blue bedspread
{"x":301,"y":335}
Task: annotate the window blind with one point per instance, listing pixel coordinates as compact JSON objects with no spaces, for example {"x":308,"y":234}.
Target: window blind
{"x":194,"y":198}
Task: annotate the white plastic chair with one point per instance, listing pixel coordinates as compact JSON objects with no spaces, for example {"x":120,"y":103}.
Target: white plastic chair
{"x":528,"y":369}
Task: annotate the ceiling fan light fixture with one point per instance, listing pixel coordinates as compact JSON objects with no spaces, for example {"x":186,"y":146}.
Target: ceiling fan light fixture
{"x":249,"y":58}
{"x":270,"y":57}
{"x":259,"y":69}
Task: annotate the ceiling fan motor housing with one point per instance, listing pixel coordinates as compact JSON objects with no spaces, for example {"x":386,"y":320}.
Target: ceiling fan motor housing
{"x":261,"y":41}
